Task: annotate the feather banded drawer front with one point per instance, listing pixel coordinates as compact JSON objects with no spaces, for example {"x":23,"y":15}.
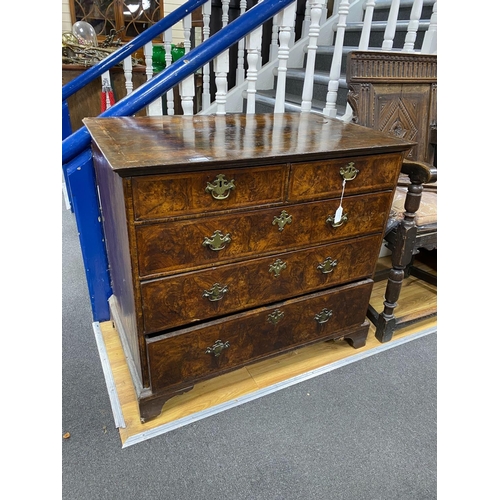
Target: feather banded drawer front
{"x":235,"y":238}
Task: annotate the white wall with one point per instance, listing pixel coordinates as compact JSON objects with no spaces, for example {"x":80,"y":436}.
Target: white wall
{"x":168,"y":6}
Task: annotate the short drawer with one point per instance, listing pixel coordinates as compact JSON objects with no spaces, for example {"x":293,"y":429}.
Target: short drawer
{"x":200,"y":295}
{"x":164,"y":196}
{"x":324,"y":179}
{"x":198,"y":243}
{"x":224,"y":344}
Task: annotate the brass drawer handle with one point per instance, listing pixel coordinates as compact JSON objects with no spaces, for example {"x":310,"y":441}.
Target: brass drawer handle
{"x":215,"y":293}
{"x":217,"y":241}
{"x":349,"y":172}
{"x":275,"y":317}
{"x":323,"y":316}
{"x":217,"y":348}
{"x":277,"y":267}
{"x":328,"y":265}
{"x":331,"y":220}
{"x":220,"y":188}
{"x":282,"y":220}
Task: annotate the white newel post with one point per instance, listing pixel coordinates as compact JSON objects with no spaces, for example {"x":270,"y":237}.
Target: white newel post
{"x":330,"y":108}
{"x":390,"y":29}
{"x":286,"y":20}
{"x":205,"y":97}
{"x":367,"y":25}
{"x":186,"y":87}
{"x":429,"y":45}
{"x":411,"y":34}
{"x":315,"y":15}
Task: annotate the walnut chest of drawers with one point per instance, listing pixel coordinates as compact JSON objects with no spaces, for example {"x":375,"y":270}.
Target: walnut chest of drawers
{"x":235,"y":238}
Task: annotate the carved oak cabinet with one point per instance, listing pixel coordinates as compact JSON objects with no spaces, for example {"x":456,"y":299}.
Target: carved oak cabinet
{"x":235,"y":238}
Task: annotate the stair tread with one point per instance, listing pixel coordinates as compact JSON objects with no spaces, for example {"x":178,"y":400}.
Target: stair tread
{"x":381,"y":25}
{"x":321,"y":77}
{"x":292,"y":100}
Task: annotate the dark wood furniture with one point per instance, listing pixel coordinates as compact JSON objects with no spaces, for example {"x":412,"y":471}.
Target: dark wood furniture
{"x":225,"y":240}
{"x":396,"y":93}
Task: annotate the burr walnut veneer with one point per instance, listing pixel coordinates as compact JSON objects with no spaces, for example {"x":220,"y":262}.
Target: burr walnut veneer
{"x":235,"y":238}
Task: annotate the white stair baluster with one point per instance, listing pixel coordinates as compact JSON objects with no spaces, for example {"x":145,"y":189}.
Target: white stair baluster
{"x":286,"y":19}
{"x":307,"y":17}
{"x":167,"y":41}
{"x":186,"y":87}
{"x":240,"y":69}
{"x":273,"y":50}
{"x":307,"y":92}
{"x":429,"y":45}
{"x":411,"y":35}
{"x":330,"y":108}
{"x":390,"y":29}
{"x":127,"y":73}
{"x":367,"y":25}
{"x":254,"y":40}
{"x":205,"y":98}
{"x":225,"y":12}
{"x":155,"y":108}
{"x":221,"y":68}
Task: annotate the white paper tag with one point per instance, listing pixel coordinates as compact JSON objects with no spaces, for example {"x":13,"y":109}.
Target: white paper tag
{"x":338,"y":215}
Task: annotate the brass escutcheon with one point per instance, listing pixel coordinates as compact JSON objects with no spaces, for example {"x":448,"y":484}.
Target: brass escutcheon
{"x":275,"y":317}
{"x":331,"y":220}
{"x":349,"y":172}
{"x":217,"y":241}
{"x":277,"y":267}
{"x":217,"y":348}
{"x":323,"y":316}
{"x":282,"y":220}
{"x":220,"y":188}
{"x":216,"y":292}
{"x":328,"y":265}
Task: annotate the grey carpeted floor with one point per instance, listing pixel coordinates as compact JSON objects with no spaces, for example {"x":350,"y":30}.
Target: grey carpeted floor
{"x":365,"y":431}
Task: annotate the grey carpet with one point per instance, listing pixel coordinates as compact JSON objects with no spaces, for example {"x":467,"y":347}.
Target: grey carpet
{"x":365,"y":431}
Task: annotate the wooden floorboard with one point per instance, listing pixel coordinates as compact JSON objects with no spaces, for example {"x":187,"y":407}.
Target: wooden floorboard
{"x":264,"y":376}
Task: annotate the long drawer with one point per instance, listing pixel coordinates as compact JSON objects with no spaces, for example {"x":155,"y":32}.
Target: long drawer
{"x":162,"y":196}
{"x":221,"y":345}
{"x":165,"y":248}
{"x":199,"y":295}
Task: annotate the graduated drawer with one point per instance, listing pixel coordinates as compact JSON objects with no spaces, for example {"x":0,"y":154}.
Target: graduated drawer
{"x":220,"y":345}
{"x":324,"y":178}
{"x":199,"y":295}
{"x":163,"y":196}
{"x":197,"y":243}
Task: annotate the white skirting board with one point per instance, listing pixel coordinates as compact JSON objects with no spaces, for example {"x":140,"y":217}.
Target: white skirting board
{"x":162,"y":429}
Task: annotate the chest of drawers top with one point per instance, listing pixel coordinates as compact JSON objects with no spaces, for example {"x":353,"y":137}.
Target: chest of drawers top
{"x":146,"y":145}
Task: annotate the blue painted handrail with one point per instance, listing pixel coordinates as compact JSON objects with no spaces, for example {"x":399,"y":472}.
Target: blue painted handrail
{"x":178,"y":71}
{"x":129,"y":48}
